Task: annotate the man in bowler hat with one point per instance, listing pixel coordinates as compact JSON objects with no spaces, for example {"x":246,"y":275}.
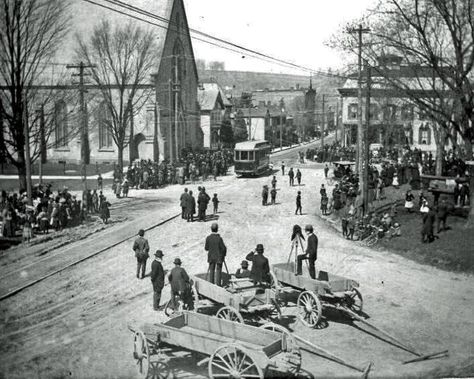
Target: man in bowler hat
{"x":157,"y":278}
{"x":260,"y":271}
{"x":311,"y":253}
{"x":216,"y":252}
{"x":141,"y":249}
{"x":180,"y":284}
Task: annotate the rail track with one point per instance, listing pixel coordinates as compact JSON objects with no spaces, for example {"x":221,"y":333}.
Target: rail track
{"x":55,"y":271}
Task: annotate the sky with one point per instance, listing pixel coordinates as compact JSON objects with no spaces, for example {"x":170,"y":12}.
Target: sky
{"x":291,"y":30}
{"x":294,"y":30}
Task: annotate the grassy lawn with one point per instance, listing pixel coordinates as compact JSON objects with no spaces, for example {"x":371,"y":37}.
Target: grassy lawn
{"x":12,"y":185}
{"x":453,"y":250}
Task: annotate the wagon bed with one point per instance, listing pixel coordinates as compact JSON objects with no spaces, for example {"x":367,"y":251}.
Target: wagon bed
{"x":221,"y":340}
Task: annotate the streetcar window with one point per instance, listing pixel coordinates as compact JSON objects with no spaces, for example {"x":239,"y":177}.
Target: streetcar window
{"x":244,"y":156}
{"x":237,"y":155}
{"x":251,"y":156}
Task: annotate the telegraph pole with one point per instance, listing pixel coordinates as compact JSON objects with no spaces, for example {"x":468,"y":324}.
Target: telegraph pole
{"x":26,"y":131}
{"x":365,"y":144}
{"x":336,"y":123}
{"x":359,"y":30}
{"x":322,"y":125}
{"x":170,"y":125}
{"x":85,"y":156}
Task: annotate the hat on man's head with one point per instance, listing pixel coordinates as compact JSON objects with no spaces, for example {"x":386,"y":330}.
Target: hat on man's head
{"x":309,"y":228}
{"x":141,"y":232}
{"x":159,"y":254}
{"x":244,"y":264}
{"x":177,"y":261}
{"x":259,"y":247}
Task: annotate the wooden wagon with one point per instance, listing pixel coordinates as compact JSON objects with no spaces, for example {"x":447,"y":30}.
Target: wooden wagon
{"x":236,"y":299}
{"x":230,"y":349}
{"x":328,"y":291}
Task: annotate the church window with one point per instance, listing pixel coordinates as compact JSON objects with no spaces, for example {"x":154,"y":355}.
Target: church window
{"x":105,"y":125}
{"x":424,"y":135}
{"x":61,"y":124}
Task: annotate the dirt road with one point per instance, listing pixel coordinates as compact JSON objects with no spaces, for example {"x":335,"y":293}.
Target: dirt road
{"x":75,"y":323}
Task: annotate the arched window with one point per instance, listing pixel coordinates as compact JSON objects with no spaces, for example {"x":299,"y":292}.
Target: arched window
{"x":424,"y":135}
{"x":105,"y":125}
{"x":179,"y":62}
{"x":60,"y":124}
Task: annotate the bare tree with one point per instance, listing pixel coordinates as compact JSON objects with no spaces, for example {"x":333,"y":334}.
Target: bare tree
{"x":433,"y":35}
{"x":124,"y":56}
{"x":30,"y":33}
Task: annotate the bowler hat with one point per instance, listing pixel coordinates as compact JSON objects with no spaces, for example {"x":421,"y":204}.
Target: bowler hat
{"x":159,"y":254}
{"x":177,"y":261}
{"x":259,"y":247}
{"x":141,"y":232}
{"x":244,"y":264}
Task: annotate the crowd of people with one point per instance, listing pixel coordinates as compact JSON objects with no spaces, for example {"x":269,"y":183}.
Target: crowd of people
{"x":188,"y":204}
{"x":49,"y":211}
{"x":147,"y":174}
{"x":331,"y":153}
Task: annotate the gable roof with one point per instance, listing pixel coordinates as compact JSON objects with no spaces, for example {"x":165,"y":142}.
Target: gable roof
{"x":209,"y":94}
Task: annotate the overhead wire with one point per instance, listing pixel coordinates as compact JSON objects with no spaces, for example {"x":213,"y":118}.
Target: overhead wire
{"x":221,"y":43}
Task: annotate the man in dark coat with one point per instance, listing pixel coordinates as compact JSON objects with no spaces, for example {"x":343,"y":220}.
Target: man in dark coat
{"x":203,"y":200}
{"x":190,"y":207}
{"x":442,"y":214}
{"x":260,"y":272}
{"x":428,"y":225}
{"x":141,"y":249}
{"x":157,"y":279}
{"x":216,"y":252}
{"x":298,"y":203}
{"x":298,"y":176}
{"x":311,"y":253}
{"x":183,"y":200}
{"x":179,"y":282}
{"x":291,"y":175}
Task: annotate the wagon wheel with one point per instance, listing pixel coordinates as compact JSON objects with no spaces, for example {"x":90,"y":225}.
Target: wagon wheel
{"x":141,"y":353}
{"x":230,"y":313}
{"x":355,"y":301}
{"x":310,"y":308}
{"x":233,"y":361}
{"x":172,"y":312}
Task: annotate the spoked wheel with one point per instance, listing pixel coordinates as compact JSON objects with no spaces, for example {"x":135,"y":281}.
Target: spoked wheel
{"x":230,"y":313}
{"x":233,"y":361}
{"x":141,"y":354}
{"x":354,"y":301}
{"x":310,"y":309}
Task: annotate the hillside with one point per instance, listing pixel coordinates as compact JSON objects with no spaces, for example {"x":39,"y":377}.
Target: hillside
{"x":240,"y":81}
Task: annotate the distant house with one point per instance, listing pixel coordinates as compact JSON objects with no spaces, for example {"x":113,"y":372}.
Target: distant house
{"x":394,"y":120}
{"x":214,"y":105}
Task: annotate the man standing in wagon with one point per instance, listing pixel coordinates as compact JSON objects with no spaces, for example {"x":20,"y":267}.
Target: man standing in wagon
{"x":216,"y":252}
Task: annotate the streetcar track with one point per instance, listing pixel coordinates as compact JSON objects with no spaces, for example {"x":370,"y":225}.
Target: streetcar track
{"x":19,"y":289}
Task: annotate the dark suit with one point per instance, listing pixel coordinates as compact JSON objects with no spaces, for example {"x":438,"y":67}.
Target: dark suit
{"x":158,"y":281}
{"x":141,"y":249}
{"x":442,"y":215}
{"x":179,"y":281}
{"x":311,"y":255}
{"x":216,"y":251}
{"x":260,"y":268}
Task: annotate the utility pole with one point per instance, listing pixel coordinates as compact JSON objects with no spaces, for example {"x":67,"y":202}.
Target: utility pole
{"x":281,"y":129}
{"x":176,"y":89}
{"x":336,"y":121}
{"x":85,"y":156}
{"x":322,"y":124}
{"x":359,"y":30}
{"x":26,"y":131}
{"x":170,"y":125}
{"x":365,"y":144}
{"x":343,"y":130}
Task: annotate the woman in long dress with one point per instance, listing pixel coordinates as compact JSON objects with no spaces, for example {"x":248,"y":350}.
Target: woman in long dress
{"x":409,"y":201}
{"x":104,"y":210}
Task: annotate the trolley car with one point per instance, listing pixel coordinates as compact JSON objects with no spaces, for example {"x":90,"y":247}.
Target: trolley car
{"x":252,"y":157}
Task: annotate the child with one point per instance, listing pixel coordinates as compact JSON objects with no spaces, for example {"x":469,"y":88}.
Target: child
{"x":345,"y":232}
{"x":274,"y":182}
{"x":273,"y":194}
{"x":43,"y":221}
{"x":243,"y":272}
{"x":395,"y":230}
{"x":298,"y":203}
{"x":351,"y":226}
{"x":215,"y":202}
{"x":324,"y":205}
{"x":28,"y":226}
